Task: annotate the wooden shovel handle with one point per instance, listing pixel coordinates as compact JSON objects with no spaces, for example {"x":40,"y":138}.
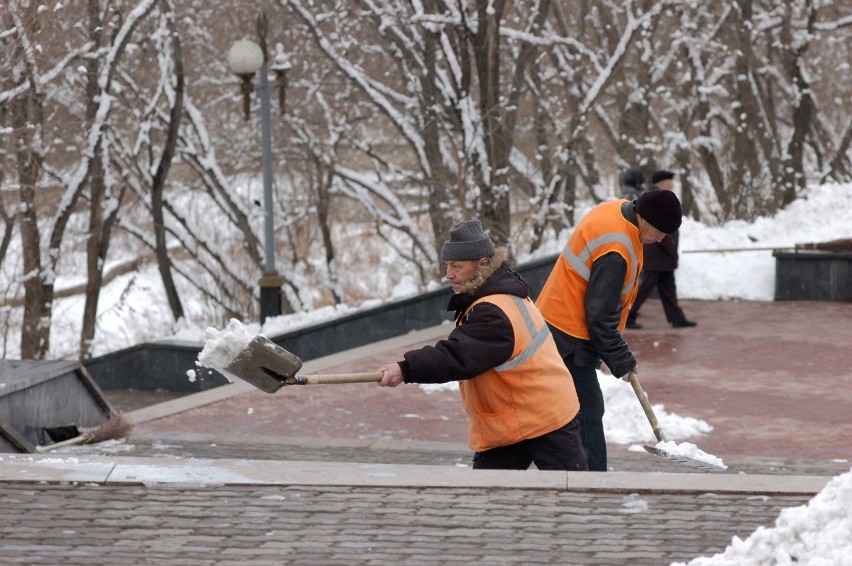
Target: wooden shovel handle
{"x":81,"y":439}
{"x":339,"y":378}
{"x":646,"y":406}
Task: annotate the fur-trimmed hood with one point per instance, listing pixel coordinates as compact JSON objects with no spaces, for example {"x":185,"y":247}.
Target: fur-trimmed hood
{"x":493,"y":279}
{"x":501,"y":254}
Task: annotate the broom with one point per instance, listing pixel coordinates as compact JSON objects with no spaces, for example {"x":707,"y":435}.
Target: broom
{"x":116,"y":426}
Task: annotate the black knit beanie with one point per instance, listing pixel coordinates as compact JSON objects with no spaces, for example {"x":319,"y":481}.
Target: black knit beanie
{"x":661,"y":209}
{"x":633,"y":177}
{"x":467,"y":241}
{"x":661,"y":175}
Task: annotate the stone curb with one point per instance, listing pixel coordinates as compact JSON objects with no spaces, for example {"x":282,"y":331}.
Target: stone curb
{"x":104,"y":470}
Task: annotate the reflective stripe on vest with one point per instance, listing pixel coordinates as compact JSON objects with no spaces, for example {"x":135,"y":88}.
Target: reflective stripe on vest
{"x":538,"y":337}
{"x":603,"y":230}
{"x":578,"y":262}
{"x":527,"y":396}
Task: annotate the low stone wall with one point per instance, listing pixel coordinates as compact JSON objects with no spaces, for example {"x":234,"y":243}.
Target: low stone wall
{"x":164,"y":365}
{"x":813,"y":275}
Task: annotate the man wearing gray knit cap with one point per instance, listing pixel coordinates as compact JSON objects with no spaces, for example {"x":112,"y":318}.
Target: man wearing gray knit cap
{"x":467,"y":241}
{"x":520,"y":399}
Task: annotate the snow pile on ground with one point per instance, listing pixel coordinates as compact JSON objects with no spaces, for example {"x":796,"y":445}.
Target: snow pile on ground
{"x":738,"y":274}
{"x":625,"y":421}
{"x":816,"y":534}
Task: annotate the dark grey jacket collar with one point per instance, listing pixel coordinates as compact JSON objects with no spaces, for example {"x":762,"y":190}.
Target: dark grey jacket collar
{"x":628,"y":211}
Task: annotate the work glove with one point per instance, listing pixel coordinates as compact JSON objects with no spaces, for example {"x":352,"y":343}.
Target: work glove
{"x":626,"y":376}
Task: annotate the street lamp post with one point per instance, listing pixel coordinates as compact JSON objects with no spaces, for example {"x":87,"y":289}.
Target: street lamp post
{"x":246,"y":58}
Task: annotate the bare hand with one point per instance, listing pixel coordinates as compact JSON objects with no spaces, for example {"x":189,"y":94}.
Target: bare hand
{"x":391,"y":375}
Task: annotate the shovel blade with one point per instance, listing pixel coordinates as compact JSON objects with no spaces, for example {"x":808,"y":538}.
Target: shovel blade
{"x":264,"y":364}
{"x":684,"y":459}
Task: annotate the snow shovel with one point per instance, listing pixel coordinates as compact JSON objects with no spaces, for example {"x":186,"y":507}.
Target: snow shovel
{"x":269,"y":367}
{"x":652,"y":418}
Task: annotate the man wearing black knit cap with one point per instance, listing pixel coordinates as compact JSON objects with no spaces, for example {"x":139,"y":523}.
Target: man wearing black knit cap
{"x":587,"y":298}
{"x":658,"y":271}
{"x":520,"y":399}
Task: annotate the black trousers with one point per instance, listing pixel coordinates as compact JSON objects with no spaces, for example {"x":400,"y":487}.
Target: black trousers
{"x":591,"y":413}
{"x":561,"y":449}
{"x":664,"y":282}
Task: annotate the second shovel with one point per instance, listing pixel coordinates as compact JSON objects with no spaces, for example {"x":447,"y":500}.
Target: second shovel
{"x":652,"y":418}
{"x":269,"y":367}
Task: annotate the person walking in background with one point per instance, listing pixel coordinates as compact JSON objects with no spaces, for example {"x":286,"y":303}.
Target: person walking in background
{"x":587,"y":297}
{"x":659,"y":269}
{"x":520,"y":399}
{"x":632,"y":183}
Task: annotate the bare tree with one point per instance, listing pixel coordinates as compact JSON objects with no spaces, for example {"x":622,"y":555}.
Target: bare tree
{"x":755,"y":126}
{"x":29,"y":101}
{"x":469,"y":78}
{"x":8,"y":223}
{"x":26,"y":117}
{"x":158,"y":182}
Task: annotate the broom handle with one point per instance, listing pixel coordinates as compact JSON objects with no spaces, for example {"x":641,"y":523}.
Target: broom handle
{"x":646,"y":406}
{"x":76,"y":440}
{"x":338,"y":378}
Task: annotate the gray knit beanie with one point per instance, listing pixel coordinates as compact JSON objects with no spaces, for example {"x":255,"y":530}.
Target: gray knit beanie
{"x":467,"y":241}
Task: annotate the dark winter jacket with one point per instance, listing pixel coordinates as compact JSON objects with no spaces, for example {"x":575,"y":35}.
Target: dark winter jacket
{"x":631,"y":193}
{"x":663,"y":255}
{"x":631,"y":183}
{"x":484,"y":341}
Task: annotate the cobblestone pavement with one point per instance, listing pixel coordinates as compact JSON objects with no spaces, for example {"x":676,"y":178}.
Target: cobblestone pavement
{"x":90,"y":524}
{"x":773,"y":379}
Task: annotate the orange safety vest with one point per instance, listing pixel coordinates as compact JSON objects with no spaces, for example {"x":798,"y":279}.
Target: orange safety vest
{"x":603,"y":230}
{"x":527,"y":396}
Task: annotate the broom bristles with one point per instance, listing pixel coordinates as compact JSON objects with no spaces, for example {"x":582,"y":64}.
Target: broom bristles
{"x":116,"y":426}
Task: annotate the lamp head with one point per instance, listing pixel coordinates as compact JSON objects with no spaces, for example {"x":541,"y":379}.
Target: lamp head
{"x":245,"y":57}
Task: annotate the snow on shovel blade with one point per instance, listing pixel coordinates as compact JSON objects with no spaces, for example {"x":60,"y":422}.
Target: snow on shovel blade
{"x":669,"y":450}
{"x":265,"y":364}
{"x":682,"y":459}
